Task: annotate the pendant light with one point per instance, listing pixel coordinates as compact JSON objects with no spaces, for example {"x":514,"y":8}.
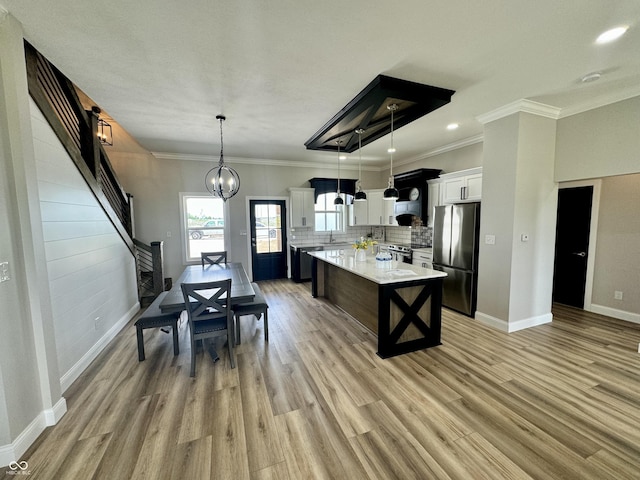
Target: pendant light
{"x":222,"y":181}
{"x":391,"y":193}
{"x":338,"y":200}
{"x":360,"y":196}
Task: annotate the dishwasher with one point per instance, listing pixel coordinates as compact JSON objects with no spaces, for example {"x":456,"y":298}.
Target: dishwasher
{"x":301,"y":270}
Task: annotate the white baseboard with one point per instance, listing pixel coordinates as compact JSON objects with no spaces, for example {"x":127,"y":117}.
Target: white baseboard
{"x":615,"y":313}
{"x":74,"y":372}
{"x":509,"y":327}
{"x":53,"y":415}
{"x":13,"y":451}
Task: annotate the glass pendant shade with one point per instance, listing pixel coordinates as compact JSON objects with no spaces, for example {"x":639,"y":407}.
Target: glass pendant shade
{"x":222,"y":181}
{"x":360,"y":196}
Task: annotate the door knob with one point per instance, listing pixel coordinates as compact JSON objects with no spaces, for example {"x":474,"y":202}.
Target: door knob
{"x":580,"y":254}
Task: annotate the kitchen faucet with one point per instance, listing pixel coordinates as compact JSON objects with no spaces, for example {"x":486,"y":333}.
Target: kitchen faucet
{"x":331,"y":239}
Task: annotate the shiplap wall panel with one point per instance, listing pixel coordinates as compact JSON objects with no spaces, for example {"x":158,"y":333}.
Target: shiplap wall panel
{"x":91,"y":271}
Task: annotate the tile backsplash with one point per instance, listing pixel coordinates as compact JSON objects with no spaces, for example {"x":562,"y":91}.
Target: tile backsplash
{"x":414,"y":236}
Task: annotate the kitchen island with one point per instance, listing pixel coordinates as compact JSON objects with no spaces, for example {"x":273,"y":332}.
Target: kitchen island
{"x":401,"y":305}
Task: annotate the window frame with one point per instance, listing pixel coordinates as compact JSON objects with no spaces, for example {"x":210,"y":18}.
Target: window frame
{"x":184,"y":228}
{"x":339,"y":210}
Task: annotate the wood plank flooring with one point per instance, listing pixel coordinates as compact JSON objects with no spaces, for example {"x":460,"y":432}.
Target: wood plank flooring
{"x":558,"y":401}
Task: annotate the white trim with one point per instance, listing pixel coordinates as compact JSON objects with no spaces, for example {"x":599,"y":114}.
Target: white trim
{"x":256,"y":161}
{"x":13,"y":451}
{"x":510,"y":327}
{"x":54,"y":414}
{"x":520,"y":106}
{"x":465,"y":142}
{"x":74,"y":372}
{"x":615,"y":313}
{"x":601,"y":101}
{"x":593,"y":233}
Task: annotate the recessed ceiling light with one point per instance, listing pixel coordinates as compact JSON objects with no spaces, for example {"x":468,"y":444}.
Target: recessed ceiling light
{"x":591,"y":77}
{"x":342,"y":157}
{"x":452,"y":126}
{"x":611,"y":35}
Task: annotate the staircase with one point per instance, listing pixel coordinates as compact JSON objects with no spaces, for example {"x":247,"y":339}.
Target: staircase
{"x":76,"y":128}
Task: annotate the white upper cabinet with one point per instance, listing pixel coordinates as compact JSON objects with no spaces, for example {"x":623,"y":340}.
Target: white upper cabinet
{"x":359,"y":213}
{"x":302,"y":207}
{"x":463,"y":186}
{"x":381,"y":211}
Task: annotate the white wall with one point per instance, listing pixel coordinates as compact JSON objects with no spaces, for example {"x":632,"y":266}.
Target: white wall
{"x":92,"y":276}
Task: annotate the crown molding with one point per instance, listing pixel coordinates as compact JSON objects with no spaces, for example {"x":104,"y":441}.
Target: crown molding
{"x":255,"y":161}
{"x":465,"y":142}
{"x":601,"y":101}
{"x":520,"y":106}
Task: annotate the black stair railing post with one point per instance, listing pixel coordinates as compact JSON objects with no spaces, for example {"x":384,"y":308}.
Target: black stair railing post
{"x":158,"y":267}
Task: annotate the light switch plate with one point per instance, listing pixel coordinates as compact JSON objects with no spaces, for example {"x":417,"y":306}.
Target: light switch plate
{"x":4,"y":271}
{"x":490,"y":239}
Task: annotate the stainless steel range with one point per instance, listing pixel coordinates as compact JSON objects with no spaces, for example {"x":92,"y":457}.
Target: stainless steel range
{"x":401,"y":253}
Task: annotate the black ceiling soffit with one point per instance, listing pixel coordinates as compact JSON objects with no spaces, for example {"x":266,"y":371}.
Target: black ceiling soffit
{"x":368,"y":110}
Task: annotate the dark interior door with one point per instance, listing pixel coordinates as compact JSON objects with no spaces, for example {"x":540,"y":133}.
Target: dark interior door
{"x":572,"y":245}
{"x":268,"y":239}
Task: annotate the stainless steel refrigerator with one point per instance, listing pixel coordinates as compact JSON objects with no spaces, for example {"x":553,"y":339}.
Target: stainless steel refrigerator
{"x":455,"y":251}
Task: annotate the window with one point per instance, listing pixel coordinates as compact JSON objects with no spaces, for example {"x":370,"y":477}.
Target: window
{"x":330,"y":217}
{"x":203,"y":220}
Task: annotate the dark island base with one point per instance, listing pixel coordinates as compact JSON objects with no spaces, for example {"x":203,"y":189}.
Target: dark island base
{"x":405,"y":315}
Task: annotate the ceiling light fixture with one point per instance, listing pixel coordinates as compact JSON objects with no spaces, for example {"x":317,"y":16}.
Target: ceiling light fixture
{"x":222,"y":181}
{"x":591,"y":77}
{"x":452,"y":126}
{"x":360,"y":196}
{"x":338,"y":200}
{"x":391,"y":193}
{"x":611,"y":35}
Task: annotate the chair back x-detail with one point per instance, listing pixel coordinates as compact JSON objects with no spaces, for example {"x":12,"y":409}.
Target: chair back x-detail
{"x":213,"y":258}
{"x":209,"y":314}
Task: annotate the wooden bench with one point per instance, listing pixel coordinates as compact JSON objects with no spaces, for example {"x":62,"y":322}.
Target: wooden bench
{"x":152,"y":317}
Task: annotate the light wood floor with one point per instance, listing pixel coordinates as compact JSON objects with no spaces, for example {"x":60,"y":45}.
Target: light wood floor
{"x":559,"y":401}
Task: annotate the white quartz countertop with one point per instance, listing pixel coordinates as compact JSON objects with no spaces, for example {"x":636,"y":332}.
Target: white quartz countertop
{"x":399,"y":272}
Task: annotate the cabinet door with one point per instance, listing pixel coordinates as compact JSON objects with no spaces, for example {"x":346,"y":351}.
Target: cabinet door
{"x":389,"y":212}
{"x":302,"y":208}
{"x":452,"y":190}
{"x":473,"y":190}
{"x":359,"y":213}
{"x":374,"y":204}
{"x":433,"y":199}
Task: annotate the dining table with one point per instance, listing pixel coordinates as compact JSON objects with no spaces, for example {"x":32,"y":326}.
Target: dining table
{"x":241,"y":289}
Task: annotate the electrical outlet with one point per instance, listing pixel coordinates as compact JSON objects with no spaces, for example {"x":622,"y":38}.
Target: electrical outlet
{"x":4,"y":272}
{"x":617,"y":295}
{"x":490,"y":239}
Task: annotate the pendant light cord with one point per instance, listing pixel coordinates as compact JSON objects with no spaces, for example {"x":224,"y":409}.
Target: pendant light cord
{"x":222,"y":119}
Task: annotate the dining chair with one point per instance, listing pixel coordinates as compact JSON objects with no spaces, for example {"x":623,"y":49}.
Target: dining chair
{"x":258,"y":307}
{"x":213,"y":258}
{"x":209,"y":314}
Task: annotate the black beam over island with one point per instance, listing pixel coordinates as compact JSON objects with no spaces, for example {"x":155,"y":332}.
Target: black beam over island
{"x":401,"y":305}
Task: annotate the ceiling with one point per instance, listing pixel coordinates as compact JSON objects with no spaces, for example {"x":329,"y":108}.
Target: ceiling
{"x":279,"y":70}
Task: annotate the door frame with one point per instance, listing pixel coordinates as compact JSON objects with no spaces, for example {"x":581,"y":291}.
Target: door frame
{"x":593,"y":233}
{"x":248,"y":229}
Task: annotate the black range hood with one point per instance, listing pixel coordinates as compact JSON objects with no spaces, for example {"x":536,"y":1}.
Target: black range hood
{"x":368,"y":111}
